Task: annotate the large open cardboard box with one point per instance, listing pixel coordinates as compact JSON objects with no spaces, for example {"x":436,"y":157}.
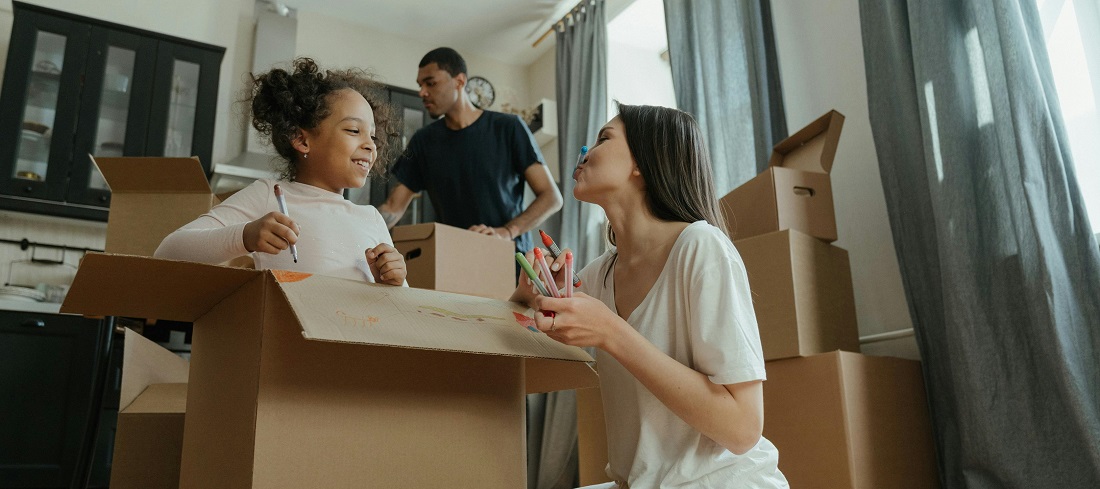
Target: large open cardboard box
{"x":301,"y":380}
{"x":149,"y":439}
{"x":802,"y":294}
{"x":441,"y":257}
{"x":795,"y":191}
{"x":845,"y":420}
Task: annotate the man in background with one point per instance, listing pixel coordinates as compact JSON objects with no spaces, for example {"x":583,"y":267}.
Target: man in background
{"x":472,"y":162}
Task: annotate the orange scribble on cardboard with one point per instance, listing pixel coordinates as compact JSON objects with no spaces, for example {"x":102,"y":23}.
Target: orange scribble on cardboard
{"x":287,"y":276}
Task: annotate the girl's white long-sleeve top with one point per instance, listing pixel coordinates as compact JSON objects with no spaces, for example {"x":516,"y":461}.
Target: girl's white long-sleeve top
{"x":334,"y":237}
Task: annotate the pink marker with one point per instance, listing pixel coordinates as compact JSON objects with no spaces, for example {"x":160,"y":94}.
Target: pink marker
{"x":569,"y":274}
{"x":546,"y":275}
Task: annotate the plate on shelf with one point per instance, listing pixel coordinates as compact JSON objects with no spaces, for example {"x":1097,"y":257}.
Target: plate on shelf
{"x":26,"y":294}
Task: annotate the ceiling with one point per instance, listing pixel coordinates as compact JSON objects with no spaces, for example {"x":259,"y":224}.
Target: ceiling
{"x":498,"y":29}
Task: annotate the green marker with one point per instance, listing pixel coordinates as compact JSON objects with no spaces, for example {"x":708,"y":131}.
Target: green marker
{"x":531,"y":273}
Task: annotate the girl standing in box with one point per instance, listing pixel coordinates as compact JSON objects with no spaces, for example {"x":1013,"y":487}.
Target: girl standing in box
{"x":326,"y":127}
{"x":670,"y":312}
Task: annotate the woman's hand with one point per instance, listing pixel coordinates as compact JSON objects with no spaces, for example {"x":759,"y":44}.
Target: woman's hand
{"x":272,"y":233}
{"x":386,"y":264}
{"x":526,"y":290}
{"x":579,"y":321}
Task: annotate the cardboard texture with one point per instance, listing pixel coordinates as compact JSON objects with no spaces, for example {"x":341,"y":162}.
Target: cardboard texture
{"x":845,"y":420}
{"x":802,"y":294}
{"x":302,"y":380}
{"x":795,"y":192}
{"x":446,"y":258}
{"x":591,"y":437}
{"x":149,"y":438}
{"x":150,"y":198}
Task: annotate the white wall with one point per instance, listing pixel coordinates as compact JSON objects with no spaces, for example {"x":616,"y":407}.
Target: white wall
{"x":393,"y":58}
{"x":821,"y":66}
{"x":542,"y":84}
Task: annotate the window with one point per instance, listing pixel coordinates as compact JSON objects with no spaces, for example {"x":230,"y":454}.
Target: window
{"x":1072,"y":32}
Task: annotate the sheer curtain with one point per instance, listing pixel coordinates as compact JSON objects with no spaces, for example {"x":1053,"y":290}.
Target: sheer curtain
{"x":1000,"y":267}
{"x":725,"y":73}
{"x":582,"y":101}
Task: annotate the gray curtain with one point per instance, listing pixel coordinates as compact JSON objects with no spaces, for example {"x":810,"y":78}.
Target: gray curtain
{"x":582,"y":110}
{"x":1000,"y":267}
{"x":725,"y":73}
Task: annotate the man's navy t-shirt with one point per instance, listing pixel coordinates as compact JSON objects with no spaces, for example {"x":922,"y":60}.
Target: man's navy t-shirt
{"x":473,"y":175}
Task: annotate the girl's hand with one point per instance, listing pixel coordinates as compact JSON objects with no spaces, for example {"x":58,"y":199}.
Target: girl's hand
{"x":272,"y":233}
{"x":580,"y":321}
{"x":386,"y":264}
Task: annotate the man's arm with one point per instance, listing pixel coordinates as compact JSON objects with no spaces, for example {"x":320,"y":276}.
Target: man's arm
{"x":395,"y":205}
{"x":547,"y":200}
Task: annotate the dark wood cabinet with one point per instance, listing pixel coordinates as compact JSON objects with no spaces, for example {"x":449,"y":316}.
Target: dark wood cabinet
{"x":52,"y":378}
{"x":75,"y":86}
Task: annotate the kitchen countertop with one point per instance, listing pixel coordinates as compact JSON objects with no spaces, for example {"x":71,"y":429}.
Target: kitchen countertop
{"x":28,"y":306}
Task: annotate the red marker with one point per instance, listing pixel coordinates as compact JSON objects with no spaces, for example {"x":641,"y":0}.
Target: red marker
{"x":554,"y":252}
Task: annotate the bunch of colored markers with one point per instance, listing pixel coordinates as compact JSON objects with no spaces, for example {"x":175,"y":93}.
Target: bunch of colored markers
{"x":549,"y":288}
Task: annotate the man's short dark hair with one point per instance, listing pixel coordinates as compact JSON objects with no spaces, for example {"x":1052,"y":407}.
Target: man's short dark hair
{"x":446,"y":59}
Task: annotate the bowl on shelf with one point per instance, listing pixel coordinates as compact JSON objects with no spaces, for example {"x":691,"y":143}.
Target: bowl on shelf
{"x":28,"y":175}
{"x":35,"y":127}
{"x":17,"y":293}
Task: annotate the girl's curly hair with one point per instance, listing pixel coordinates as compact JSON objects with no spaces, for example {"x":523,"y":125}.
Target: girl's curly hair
{"x":285,"y":102}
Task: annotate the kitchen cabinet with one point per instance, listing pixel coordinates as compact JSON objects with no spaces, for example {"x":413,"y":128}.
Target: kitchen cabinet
{"x":75,"y":86}
{"x":412,"y":114}
{"x":53,"y":377}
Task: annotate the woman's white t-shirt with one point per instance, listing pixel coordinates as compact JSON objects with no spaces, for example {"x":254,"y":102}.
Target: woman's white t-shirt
{"x":335,"y":233}
{"x":699,"y":311}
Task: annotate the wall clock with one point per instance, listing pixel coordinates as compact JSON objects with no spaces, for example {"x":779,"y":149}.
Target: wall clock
{"x":480,"y":91}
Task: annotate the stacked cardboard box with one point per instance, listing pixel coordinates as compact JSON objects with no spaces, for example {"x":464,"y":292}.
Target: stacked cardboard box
{"x":782,"y":223}
{"x":839,"y":419}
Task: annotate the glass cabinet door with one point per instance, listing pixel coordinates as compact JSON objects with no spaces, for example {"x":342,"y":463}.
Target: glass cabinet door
{"x":36,"y":163}
{"x":413,"y":117}
{"x":184,"y":94}
{"x":113,"y":117}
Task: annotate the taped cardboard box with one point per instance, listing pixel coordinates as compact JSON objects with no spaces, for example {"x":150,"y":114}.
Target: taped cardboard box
{"x":450,"y":259}
{"x":300,"y":380}
{"x":149,"y":438}
{"x":795,"y":191}
{"x":802,"y":294}
{"x":845,"y":420}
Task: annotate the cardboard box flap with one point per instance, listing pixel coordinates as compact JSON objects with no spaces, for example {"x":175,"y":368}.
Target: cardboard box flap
{"x":153,"y":175}
{"x":414,"y":232}
{"x":335,"y":309}
{"x":143,"y":287}
{"x":160,"y":399}
{"x":813,"y":147}
{"x":145,"y":363}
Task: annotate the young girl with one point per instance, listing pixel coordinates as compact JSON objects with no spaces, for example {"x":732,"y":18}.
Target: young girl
{"x":669,"y":311}
{"x":327,"y":128}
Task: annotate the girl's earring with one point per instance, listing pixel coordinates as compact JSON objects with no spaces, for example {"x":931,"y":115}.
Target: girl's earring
{"x":305,"y":156}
